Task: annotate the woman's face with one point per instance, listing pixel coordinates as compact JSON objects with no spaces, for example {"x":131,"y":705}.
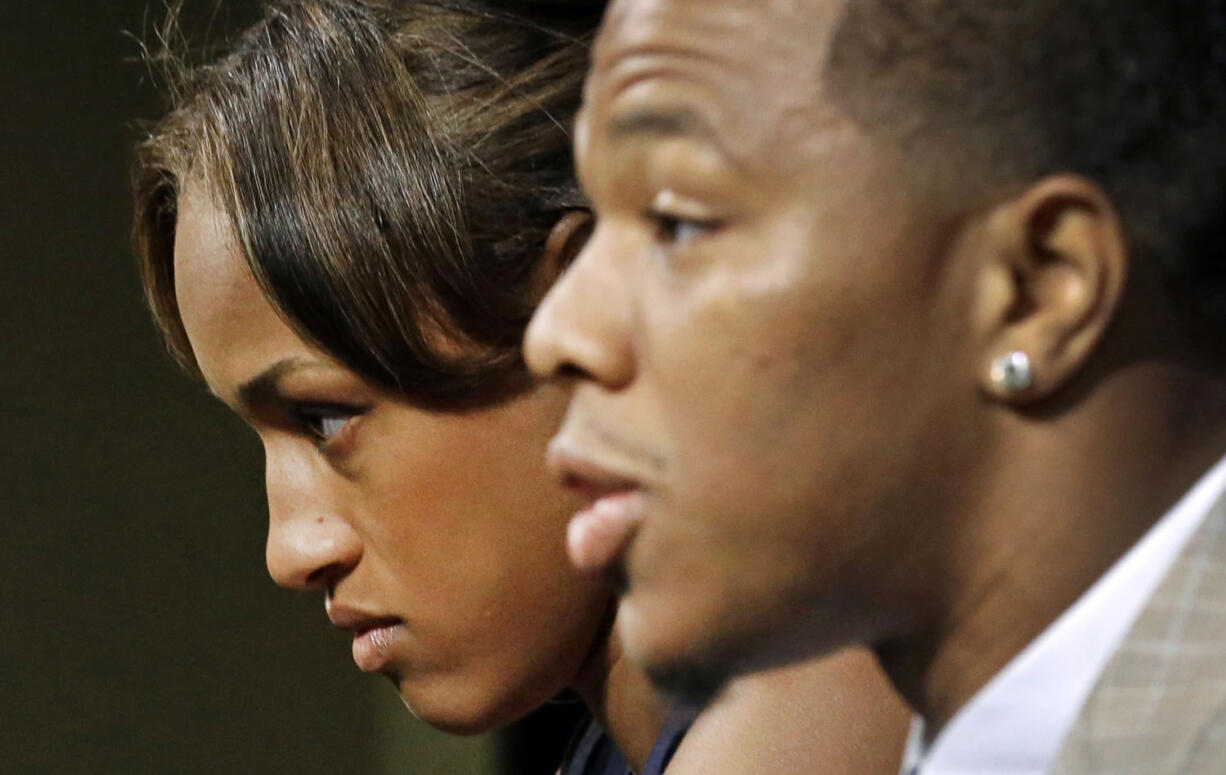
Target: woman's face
{"x":438,"y":538}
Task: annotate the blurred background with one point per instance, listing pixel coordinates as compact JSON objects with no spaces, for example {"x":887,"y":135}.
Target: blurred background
{"x":140,"y":632}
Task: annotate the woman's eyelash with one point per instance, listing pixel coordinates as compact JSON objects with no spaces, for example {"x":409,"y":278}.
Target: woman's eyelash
{"x":324,"y":422}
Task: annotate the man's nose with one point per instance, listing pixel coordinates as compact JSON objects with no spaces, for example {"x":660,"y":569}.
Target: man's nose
{"x":310,"y":543}
{"x":583,"y":327}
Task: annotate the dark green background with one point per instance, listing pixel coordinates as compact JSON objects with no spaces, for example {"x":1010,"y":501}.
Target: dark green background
{"x":139,"y":632}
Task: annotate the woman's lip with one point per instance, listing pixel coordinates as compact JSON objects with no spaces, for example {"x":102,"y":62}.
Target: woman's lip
{"x":372,"y":647}
{"x":373,"y":635}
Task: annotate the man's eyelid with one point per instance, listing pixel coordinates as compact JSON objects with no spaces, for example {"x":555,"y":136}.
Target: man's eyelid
{"x":668,"y":203}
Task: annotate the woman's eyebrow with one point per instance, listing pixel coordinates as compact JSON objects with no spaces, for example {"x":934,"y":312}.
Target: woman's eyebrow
{"x":264,"y":388}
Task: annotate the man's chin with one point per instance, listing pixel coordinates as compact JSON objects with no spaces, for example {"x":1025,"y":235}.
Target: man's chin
{"x":691,"y":684}
{"x":692,"y":677}
{"x":683,"y":656}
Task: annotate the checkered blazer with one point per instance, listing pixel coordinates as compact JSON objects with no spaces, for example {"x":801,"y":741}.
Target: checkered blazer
{"x":1159,"y":708}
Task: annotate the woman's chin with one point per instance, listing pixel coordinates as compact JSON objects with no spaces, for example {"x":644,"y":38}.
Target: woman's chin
{"x":456,"y":714}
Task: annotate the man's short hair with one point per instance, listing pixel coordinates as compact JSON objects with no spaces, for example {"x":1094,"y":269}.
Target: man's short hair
{"x":1130,"y":93}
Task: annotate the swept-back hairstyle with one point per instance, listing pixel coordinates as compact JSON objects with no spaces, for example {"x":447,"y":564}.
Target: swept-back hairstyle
{"x":392,"y":170}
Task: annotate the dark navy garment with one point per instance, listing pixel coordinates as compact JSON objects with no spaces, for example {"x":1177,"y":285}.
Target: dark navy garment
{"x":593,"y":752}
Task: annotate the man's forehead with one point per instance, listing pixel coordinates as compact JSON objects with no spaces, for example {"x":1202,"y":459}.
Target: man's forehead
{"x":762,"y":32}
{"x":757,"y":55}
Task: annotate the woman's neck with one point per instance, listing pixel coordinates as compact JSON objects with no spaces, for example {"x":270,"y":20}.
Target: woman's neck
{"x":622,"y":701}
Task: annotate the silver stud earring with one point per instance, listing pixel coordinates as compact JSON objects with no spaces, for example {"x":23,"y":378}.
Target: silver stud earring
{"x":1012,"y":372}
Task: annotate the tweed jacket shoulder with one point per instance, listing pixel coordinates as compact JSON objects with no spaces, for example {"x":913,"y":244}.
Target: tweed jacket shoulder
{"x":1159,"y":708}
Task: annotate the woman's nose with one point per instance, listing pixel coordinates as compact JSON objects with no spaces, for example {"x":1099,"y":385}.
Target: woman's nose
{"x":310,"y":543}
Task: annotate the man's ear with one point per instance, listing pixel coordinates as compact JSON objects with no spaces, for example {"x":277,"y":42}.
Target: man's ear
{"x":566,"y":239}
{"x":1055,"y":271}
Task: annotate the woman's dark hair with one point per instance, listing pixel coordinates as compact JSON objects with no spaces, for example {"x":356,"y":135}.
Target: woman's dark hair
{"x":392,"y":171}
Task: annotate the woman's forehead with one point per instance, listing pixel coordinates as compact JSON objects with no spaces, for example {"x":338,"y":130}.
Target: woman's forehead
{"x":233,"y":330}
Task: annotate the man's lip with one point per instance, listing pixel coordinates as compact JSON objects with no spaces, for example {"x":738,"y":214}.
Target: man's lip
{"x":599,"y":535}
{"x":584,"y":473}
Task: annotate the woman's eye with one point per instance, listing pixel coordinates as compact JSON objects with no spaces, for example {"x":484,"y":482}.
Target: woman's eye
{"x":324,"y":422}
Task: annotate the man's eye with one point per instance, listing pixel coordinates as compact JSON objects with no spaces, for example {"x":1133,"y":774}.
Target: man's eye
{"x":677,"y":232}
{"x":324,"y":422}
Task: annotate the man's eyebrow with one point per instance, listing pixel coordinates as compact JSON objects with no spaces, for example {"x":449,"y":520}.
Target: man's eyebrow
{"x":264,"y":388}
{"x":656,"y":122}
{"x":665,"y":123}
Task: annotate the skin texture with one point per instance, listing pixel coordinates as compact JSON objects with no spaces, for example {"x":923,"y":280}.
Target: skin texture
{"x":450,"y":524}
{"x":782,"y":342}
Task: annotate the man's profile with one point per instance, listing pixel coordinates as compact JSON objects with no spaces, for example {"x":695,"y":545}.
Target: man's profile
{"x":902,"y":324}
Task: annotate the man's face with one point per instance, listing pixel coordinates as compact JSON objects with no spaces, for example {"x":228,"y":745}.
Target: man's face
{"x":768,"y":343}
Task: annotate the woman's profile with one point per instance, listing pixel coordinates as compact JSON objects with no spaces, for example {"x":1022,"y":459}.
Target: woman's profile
{"x":344,"y":225}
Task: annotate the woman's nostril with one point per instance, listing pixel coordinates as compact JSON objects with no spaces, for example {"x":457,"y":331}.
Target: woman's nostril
{"x":326,"y":577}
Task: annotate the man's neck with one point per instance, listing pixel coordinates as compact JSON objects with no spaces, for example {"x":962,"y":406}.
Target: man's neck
{"x":1065,"y":500}
{"x":622,"y":701}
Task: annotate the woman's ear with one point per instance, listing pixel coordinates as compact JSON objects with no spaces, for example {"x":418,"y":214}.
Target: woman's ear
{"x":1055,"y":270}
{"x":566,"y":239}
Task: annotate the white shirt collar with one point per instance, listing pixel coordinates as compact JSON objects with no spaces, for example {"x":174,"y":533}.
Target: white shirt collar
{"x":1015,"y":725}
